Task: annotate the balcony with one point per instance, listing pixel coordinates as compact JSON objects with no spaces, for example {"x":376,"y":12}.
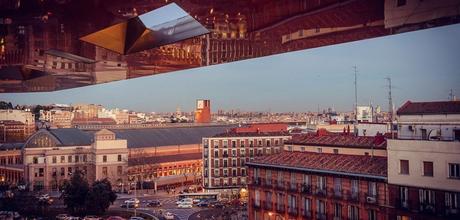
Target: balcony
{"x":255,"y":204}
{"x":351,"y":196}
{"x":403,"y":205}
{"x":280,"y":208}
{"x":321,"y":192}
{"x":268,"y":206}
{"x":293,"y":211}
{"x":306,"y":214}
{"x":280,"y":185}
{"x":293,"y":187}
{"x":320,"y":215}
{"x":256,"y":181}
{"x":306,"y":189}
{"x":427,"y":208}
{"x":336,"y":193}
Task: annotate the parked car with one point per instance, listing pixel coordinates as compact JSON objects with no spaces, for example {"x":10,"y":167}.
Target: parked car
{"x":154,"y":203}
{"x":185,"y":205}
{"x":217,"y":205}
{"x":195,"y":201}
{"x":132,"y":200}
{"x":91,"y":217}
{"x":168,"y":216}
{"x":62,"y":217}
{"x":189,"y":200}
{"x":115,"y":218}
{"x":203,"y":204}
{"x":136,"y":218}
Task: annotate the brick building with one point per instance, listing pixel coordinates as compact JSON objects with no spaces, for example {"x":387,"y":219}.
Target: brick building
{"x":225,"y":156}
{"x":307,"y":185}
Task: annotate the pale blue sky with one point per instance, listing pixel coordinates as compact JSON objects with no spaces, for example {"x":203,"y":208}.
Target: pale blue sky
{"x":423,"y":65}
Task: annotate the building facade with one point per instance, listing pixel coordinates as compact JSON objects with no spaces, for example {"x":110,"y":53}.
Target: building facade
{"x":306,"y":185}
{"x":225,"y":156}
{"x":11,"y":166}
{"x":52,"y":156}
{"x":424,"y":162}
{"x":203,"y":111}
{"x":18,"y":124}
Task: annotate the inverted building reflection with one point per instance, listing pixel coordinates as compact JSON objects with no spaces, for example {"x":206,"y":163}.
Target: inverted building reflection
{"x":43,"y":45}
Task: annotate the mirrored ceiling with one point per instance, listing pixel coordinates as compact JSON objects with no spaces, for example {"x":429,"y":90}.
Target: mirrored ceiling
{"x":48,"y":45}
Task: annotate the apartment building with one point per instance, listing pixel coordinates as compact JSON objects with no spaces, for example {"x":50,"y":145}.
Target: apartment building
{"x":16,"y":125}
{"x":424,"y":162}
{"x":310,"y":185}
{"x":225,"y":156}
{"x":11,"y":168}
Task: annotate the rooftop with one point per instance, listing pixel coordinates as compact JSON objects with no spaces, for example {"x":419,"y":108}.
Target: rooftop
{"x":429,"y":108}
{"x":252,"y":134}
{"x":164,"y":159}
{"x":353,"y":165}
{"x":339,"y":140}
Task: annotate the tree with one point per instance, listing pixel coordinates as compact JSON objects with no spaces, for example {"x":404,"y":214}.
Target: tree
{"x":100,"y":197}
{"x":75,"y":192}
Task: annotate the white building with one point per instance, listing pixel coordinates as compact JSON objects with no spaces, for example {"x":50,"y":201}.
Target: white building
{"x":371,"y":129}
{"x":364,"y":113}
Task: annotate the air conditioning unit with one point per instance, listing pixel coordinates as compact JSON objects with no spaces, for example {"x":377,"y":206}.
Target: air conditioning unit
{"x":370,"y":199}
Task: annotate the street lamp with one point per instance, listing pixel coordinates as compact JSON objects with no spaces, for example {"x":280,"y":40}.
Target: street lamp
{"x":277,"y":216}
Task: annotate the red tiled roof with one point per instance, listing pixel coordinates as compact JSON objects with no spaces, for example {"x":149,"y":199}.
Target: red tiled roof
{"x":251,"y":134}
{"x":419,"y":108}
{"x":345,"y":164}
{"x":339,"y":140}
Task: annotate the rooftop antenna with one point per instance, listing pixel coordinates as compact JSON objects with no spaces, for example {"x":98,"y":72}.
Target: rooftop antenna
{"x":390,"y":105}
{"x":356,"y":93}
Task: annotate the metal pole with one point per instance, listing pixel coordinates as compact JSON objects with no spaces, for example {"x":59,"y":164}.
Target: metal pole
{"x":356,"y":93}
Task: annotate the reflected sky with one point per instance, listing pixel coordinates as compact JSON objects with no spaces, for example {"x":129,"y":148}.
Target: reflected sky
{"x":423,"y":65}
{"x":162,"y":15}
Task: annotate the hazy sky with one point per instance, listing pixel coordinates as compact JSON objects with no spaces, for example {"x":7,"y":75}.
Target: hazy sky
{"x":423,"y":65}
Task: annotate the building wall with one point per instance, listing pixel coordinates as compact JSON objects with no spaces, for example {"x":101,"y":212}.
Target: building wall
{"x":416,"y":151}
{"x":340,"y":150}
{"x":11,"y":169}
{"x":410,"y":126}
{"x":371,"y":129}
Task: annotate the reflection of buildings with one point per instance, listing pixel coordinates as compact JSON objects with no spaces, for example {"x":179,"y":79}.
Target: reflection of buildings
{"x":225,"y":156}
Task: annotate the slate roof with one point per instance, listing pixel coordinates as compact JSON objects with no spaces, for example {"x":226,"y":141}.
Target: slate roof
{"x":11,"y":146}
{"x":426,"y":108}
{"x":164,"y":159}
{"x":72,"y":136}
{"x":353,"y":165}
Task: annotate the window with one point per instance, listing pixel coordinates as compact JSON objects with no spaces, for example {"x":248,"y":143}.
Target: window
{"x":243,"y":172}
{"x":225,"y":162}
{"x":320,"y":150}
{"x":372,"y":214}
{"x":216,"y":163}
{"x":293,"y":181}
{"x":257,"y":198}
{"x":62,"y":159}
{"x":69,"y":159}
{"x":54,"y":172}
{"x":321,"y":209}
{"x":41,"y":172}
{"x":452,"y":201}
{"x":403,"y":196}
{"x":225,"y":144}
{"x":292,"y":204}
{"x":302,"y":149}
{"x":307,"y":207}
{"x":337,"y":210}
{"x":337,"y":186}
{"x":353,"y":212}
{"x":427,"y":168}
{"x":84,"y":158}
{"x":456,"y":135}
{"x":54,"y":159}
{"x":404,"y":167}
{"x":234,"y":172}
{"x":233,"y":153}
{"x":69,"y":171}
{"x":454,"y":170}
{"x":77,"y":158}
{"x":216,"y":153}
{"x":354,"y":188}
{"x":119,"y":169}
{"x":104,"y":158}
{"x":372,"y":189}
{"x":35,"y":160}
{"x":336,"y":151}
{"x":234,"y":162}
{"x":427,"y":199}
{"x":119,"y":157}
{"x":216,"y":172}
{"x":321,"y":183}
{"x":233,"y":143}
{"x":400,"y":3}
{"x":62,"y":171}
{"x":104,"y":171}
{"x":289,"y":148}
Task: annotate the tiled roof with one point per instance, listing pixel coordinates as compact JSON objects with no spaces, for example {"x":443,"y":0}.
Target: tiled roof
{"x":419,"y":108}
{"x":164,"y":159}
{"x":354,"y":165}
{"x":252,"y":134}
{"x":339,"y":140}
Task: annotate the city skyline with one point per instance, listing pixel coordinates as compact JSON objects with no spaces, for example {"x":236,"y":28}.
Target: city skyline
{"x":296,"y":81}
